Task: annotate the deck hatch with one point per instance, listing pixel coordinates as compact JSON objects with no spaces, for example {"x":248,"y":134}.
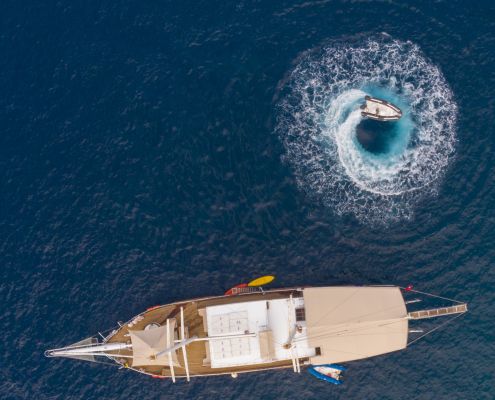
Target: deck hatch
{"x":300,"y":314}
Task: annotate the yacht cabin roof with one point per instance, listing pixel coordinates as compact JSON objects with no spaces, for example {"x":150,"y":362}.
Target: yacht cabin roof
{"x":272,"y":323}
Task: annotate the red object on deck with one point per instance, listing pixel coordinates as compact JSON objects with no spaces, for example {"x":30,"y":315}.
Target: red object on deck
{"x":230,"y":292}
{"x":158,"y":377}
{"x":409,"y":288}
{"x":152,"y":308}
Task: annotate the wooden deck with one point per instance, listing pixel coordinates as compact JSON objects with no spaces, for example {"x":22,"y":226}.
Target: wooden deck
{"x":193,"y":321}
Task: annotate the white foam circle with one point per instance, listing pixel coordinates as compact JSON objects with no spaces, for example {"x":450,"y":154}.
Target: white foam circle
{"x":319,"y":114}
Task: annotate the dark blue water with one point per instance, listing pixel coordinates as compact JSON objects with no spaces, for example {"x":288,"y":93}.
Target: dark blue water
{"x":140,"y":164}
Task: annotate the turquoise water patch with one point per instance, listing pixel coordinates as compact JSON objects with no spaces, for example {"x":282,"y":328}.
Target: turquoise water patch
{"x":378,"y":138}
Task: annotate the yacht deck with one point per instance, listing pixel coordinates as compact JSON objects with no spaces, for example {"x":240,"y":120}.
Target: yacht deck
{"x":199,"y":361}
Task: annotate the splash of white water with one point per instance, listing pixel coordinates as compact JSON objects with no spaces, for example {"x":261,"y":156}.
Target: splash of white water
{"x":319,"y":114}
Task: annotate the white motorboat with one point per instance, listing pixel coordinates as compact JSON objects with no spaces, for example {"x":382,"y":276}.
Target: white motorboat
{"x":380,"y":110}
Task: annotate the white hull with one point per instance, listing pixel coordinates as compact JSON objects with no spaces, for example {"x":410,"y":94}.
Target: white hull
{"x":380,"y":110}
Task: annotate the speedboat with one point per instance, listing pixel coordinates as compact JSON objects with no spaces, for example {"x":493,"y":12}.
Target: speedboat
{"x":380,"y":110}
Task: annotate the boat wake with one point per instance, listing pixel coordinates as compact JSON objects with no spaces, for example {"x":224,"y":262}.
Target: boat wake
{"x":320,"y":124}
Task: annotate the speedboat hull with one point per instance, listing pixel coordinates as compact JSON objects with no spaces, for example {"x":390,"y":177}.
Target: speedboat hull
{"x":380,"y":110}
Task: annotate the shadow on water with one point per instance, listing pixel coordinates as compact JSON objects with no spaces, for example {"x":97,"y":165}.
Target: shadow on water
{"x":376,"y":136}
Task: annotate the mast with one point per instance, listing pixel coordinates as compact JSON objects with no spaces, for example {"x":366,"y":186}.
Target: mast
{"x":292,"y":334}
{"x":170,"y":361}
{"x":183,"y":338}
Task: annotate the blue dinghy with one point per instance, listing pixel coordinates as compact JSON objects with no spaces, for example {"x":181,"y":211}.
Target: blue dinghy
{"x":327,"y":372}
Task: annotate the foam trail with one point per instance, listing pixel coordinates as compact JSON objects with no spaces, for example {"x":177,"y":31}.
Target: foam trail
{"x":319,"y":116}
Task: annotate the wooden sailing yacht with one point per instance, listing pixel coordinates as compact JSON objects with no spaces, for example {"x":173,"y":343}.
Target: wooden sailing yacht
{"x":250,"y":329}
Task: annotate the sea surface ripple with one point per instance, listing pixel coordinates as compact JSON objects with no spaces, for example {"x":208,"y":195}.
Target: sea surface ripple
{"x":142,"y":162}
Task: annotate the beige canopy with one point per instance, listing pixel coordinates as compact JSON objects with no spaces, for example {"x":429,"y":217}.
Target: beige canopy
{"x":350,"y":323}
{"x":147,"y":343}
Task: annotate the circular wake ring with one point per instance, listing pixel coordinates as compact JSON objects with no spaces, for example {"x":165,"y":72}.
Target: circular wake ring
{"x":319,"y":114}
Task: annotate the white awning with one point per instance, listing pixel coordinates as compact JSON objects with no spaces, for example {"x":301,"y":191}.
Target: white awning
{"x":350,"y":323}
{"x":147,"y":343}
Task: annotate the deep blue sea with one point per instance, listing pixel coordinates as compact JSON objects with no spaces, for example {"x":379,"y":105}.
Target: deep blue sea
{"x":152,"y":151}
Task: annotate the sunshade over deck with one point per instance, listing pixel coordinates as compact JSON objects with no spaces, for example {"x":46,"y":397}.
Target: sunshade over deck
{"x":147,"y":343}
{"x":350,"y":323}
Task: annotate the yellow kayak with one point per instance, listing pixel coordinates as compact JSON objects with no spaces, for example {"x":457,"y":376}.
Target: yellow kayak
{"x":261,"y":281}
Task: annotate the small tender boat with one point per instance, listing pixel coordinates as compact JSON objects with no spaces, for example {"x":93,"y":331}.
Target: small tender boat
{"x":327,"y":372}
{"x":380,"y":110}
